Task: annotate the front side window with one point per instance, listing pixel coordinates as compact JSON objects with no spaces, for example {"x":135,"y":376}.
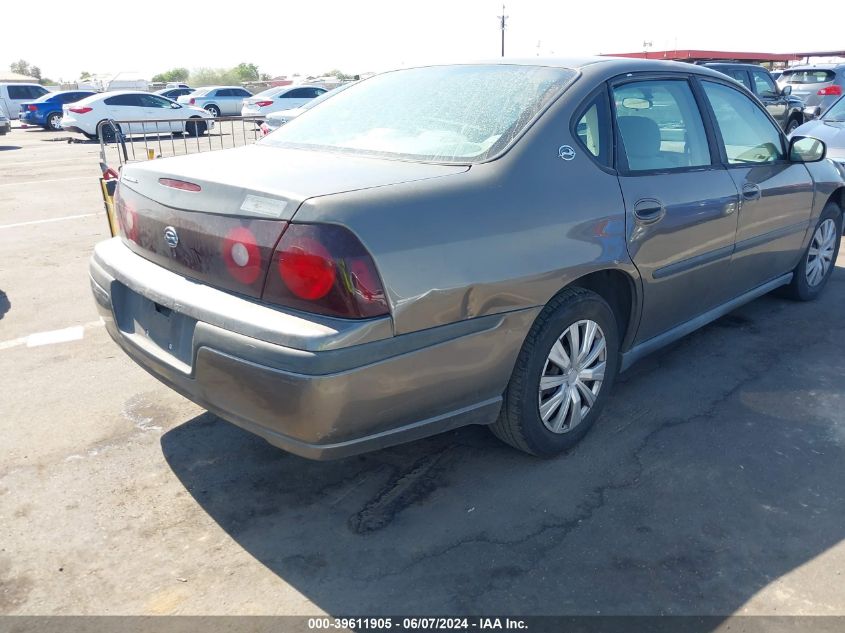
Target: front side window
{"x":660,"y":125}
{"x":593,"y":130}
{"x":763,"y":84}
{"x":836,"y":112}
{"x":748,"y":134}
{"x":152,"y":101}
{"x":459,"y":113}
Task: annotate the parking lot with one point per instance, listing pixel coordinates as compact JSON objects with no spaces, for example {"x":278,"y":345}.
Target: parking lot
{"x":713,"y":483}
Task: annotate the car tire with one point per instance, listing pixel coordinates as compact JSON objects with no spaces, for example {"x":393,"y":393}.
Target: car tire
{"x":53,"y":121}
{"x":213,"y":110}
{"x":109,"y":135}
{"x":196,"y":128}
{"x":521,"y":423}
{"x":819,"y":258}
{"x":793,"y":125}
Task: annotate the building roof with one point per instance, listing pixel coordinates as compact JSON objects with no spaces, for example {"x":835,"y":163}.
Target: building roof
{"x":11,"y":78}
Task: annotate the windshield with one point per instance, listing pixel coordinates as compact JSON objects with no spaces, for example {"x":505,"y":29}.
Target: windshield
{"x":817,"y":76}
{"x":836,"y":112}
{"x":439,"y":113}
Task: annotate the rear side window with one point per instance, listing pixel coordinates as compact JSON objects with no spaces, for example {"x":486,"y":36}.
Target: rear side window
{"x":124,"y":100}
{"x":240,"y":92}
{"x":593,"y":129}
{"x":739,"y":76}
{"x":763,"y":84}
{"x":660,"y":125}
{"x":748,"y":134}
{"x":819,"y":76}
{"x":24,"y":92}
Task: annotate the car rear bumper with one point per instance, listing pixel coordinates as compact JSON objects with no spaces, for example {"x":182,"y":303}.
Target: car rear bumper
{"x":30,"y":118}
{"x":330,"y":391}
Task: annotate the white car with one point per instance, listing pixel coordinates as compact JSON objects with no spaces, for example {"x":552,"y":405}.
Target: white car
{"x":279,"y":98}
{"x":149,"y":113}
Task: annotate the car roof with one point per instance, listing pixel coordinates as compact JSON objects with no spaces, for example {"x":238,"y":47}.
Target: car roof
{"x":600,"y":66}
{"x":813,"y":67}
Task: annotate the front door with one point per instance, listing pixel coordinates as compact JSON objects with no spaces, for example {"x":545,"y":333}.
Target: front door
{"x":680,"y":202}
{"x":776,"y":195}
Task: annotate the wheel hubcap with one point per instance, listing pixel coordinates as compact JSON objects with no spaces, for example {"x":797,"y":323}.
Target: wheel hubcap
{"x":54,"y":121}
{"x":820,"y":254}
{"x":572,"y":376}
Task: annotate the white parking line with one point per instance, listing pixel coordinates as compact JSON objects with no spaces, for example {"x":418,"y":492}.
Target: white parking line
{"x":73,"y":333}
{"x":64,"y":217}
{"x":41,"y":182}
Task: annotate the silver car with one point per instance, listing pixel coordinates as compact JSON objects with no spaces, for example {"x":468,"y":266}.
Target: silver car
{"x":830,"y":128}
{"x":218,"y":100}
{"x":492,"y":248}
{"x":817,"y":85}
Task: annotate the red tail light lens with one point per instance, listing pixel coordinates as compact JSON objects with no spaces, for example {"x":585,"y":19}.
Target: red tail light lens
{"x":81,"y":110}
{"x":192,"y":101}
{"x":324,"y":268}
{"x":242,"y":255}
{"x":828,"y":91}
{"x":31,"y":108}
{"x":127,"y":218}
{"x":262,"y":104}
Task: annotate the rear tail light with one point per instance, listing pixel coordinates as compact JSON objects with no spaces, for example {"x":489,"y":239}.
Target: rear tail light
{"x":263,"y":104}
{"x":828,"y":91}
{"x":80,"y":110}
{"x":127,"y":217}
{"x":242,"y":255}
{"x":31,"y":108}
{"x":324,"y":268}
{"x":192,"y":101}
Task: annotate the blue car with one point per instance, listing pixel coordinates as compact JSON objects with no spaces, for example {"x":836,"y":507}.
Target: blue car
{"x":46,"y":111}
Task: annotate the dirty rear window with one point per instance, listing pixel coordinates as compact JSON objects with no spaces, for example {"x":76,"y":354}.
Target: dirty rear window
{"x":807,"y":76}
{"x":447,"y":114}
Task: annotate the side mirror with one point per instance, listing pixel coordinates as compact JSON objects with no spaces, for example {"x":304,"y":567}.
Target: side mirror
{"x":805,"y":149}
{"x":786,"y":91}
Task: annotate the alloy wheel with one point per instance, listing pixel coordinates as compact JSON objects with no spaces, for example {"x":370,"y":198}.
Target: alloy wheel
{"x":572,"y":376}
{"x":820,"y":253}
{"x":54,"y":122}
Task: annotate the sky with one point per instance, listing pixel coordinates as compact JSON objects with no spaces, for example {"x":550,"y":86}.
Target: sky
{"x":314,"y":36}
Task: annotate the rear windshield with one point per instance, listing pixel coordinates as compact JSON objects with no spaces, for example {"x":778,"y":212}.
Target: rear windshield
{"x":270,"y":92}
{"x":807,"y":76}
{"x":453,"y":114}
{"x":201,"y":92}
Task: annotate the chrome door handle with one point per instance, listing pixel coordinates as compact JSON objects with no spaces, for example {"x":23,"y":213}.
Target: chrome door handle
{"x":750,"y":191}
{"x":649,"y":210}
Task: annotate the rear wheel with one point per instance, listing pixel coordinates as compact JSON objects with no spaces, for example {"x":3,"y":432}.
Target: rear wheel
{"x":196,"y":127}
{"x":563,"y":375}
{"x":54,"y":120}
{"x":213,"y":110}
{"x":816,"y":266}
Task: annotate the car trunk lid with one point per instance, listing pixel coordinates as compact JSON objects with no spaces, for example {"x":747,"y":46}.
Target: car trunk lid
{"x":216,"y":217}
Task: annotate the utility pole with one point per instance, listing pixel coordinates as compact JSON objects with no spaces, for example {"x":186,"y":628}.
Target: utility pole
{"x":502,"y":19}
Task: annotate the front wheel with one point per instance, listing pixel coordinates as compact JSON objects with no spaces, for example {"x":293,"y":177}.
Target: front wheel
{"x":793,"y":125}
{"x":196,"y":127}
{"x":816,"y":266}
{"x":563,"y":375}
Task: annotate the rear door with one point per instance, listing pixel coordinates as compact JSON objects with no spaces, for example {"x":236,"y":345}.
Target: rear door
{"x":769,"y":94}
{"x":680,"y":201}
{"x":776,"y":195}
